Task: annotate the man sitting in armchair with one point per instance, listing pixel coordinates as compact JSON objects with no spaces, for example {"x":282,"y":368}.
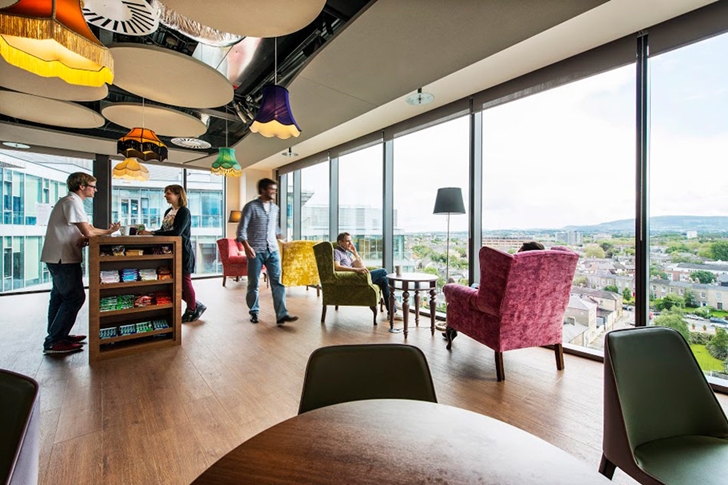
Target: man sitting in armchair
{"x":346,"y":258}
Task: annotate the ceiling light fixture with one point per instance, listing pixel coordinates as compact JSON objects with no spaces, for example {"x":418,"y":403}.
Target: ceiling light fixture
{"x":274,"y":117}
{"x":142,"y":143}
{"x":226,"y":164}
{"x":50,"y":38}
{"x":419,"y":98}
{"x":130,"y":169}
{"x":289,"y":153}
{"x":13,"y":144}
{"x":194,"y":143}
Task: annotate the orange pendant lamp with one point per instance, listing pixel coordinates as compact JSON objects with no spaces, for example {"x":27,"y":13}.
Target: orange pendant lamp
{"x":50,"y":38}
{"x":142,"y":143}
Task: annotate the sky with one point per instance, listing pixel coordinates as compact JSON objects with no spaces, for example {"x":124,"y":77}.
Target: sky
{"x":566,"y":156}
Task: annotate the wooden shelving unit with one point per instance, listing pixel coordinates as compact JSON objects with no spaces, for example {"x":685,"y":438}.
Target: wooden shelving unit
{"x":101,"y":349}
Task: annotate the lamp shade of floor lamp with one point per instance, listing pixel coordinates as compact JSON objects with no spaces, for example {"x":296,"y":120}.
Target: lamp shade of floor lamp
{"x":449,"y":201}
{"x":235,"y":217}
{"x":50,"y":38}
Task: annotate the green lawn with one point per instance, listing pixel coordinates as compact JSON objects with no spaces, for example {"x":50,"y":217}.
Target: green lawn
{"x":706,"y":361}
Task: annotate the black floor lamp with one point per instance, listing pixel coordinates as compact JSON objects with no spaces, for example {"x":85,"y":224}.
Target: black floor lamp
{"x":449,"y":201}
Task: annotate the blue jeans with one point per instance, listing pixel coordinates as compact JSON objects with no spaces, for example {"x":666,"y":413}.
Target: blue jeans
{"x":379,"y":278}
{"x":272,"y":262}
{"x":67,"y":297}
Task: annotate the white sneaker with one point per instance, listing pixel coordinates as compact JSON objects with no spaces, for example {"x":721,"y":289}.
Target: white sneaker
{"x":397,"y":317}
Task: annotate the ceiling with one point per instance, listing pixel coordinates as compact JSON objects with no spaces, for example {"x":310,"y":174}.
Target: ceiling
{"x":356,"y":82}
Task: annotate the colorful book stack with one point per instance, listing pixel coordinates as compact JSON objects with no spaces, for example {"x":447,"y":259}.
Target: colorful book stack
{"x":162,"y":298}
{"x":129,"y":274}
{"x":109,"y":276}
{"x":118,"y":302}
{"x":148,"y":274}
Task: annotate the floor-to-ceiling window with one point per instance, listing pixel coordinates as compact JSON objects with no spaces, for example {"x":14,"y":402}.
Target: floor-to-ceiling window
{"x":315,"y":202}
{"x":30,"y":184}
{"x":688,"y":199}
{"x":206,"y":193}
{"x":425,"y":161}
{"x":558,"y":168}
{"x":360,"y":201}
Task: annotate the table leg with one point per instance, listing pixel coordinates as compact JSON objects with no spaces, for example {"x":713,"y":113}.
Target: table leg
{"x":433,"y":292}
{"x":405,"y":308}
{"x":417,"y":306}
{"x":391,"y":305}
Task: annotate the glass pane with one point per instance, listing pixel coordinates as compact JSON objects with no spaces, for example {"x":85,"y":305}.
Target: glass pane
{"x":558,"y":168}
{"x":289,"y":208}
{"x":424,"y":162}
{"x":315,"y":202}
{"x":30,"y":184}
{"x":360,"y":202}
{"x":688,"y":231}
{"x":206,"y":193}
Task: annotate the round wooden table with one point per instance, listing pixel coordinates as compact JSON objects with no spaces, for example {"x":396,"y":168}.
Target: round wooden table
{"x":397,"y":441}
{"x":419,"y":281}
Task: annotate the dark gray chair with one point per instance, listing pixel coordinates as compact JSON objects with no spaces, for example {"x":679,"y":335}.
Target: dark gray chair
{"x":343,"y":373}
{"x":662,"y":422}
{"x":19,"y":429}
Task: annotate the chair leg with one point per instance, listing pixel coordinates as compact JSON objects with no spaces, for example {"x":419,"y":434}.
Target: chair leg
{"x":450,"y":334}
{"x":374,"y":311}
{"x":223,"y":280}
{"x":323,"y":314}
{"x":336,"y":307}
{"x":318,"y":291}
{"x":606,"y":467}
{"x":499,"y":370}
{"x":559,"y":350}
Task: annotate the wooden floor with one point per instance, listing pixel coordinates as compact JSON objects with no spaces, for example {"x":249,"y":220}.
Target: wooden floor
{"x":163,"y":417}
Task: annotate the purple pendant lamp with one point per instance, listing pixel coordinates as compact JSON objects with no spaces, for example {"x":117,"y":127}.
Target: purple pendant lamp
{"x":274,"y":117}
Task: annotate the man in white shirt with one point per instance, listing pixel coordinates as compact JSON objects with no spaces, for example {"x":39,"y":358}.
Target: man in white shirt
{"x":67,"y":232}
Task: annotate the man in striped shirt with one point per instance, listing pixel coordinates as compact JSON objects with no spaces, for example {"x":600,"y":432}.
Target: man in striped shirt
{"x":258,"y":231}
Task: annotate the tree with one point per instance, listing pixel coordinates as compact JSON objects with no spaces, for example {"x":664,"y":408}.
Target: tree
{"x":432,"y":270}
{"x":627,"y":294}
{"x":611,"y":288}
{"x":581,"y":281}
{"x":720,"y":250}
{"x":656,"y":272}
{"x":669,"y":302}
{"x":702,"y":313}
{"x":691,"y":299}
{"x":674,"y":319}
{"x":705,"y":277}
{"x":594,"y":251}
{"x":718,"y":346}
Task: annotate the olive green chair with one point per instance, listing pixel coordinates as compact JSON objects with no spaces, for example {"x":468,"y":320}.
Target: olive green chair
{"x":343,"y":288}
{"x":662,"y":422}
{"x":344,"y":373}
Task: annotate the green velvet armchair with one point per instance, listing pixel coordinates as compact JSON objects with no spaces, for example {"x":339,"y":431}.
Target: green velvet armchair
{"x":662,"y":422}
{"x":345,"y":288}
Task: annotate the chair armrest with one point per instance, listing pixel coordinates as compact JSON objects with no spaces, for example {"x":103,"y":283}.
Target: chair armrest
{"x":352,"y":278}
{"x":454,"y":291}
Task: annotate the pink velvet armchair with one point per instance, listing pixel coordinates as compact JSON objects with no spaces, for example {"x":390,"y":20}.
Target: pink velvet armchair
{"x":520,"y":303}
{"x":234,"y":262}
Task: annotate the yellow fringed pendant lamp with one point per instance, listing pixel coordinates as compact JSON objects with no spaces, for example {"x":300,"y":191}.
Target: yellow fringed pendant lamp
{"x":50,"y":38}
{"x":131,"y":169}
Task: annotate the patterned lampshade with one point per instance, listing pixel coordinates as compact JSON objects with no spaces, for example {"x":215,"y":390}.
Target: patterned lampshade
{"x":50,"y":38}
{"x":274,"y":117}
{"x":226,"y":164}
{"x":142,"y":143}
{"x":131,"y":169}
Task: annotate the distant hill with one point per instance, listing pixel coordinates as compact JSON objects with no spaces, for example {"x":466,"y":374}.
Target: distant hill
{"x":661,"y":224}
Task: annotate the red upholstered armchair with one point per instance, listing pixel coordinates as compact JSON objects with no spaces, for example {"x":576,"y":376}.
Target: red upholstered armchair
{"x":520,"y":303}
{"x":234,"y":262}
